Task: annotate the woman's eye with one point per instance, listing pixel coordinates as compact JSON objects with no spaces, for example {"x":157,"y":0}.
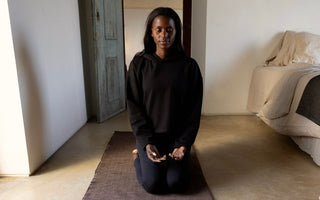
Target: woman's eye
{"x":168,"y":30}
{"x":157,"y":30}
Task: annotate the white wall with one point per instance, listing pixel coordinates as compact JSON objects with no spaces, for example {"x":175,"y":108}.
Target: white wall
{"x":134,"y":27}
{"x":13,"y":147}
{"x":241,"y":35}
{"x":47,"y":45}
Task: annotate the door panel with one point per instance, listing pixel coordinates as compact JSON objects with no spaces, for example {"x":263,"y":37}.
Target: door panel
{"x":110,"y":20}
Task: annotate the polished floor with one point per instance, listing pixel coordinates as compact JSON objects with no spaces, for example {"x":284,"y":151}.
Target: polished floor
{"x":240,"y":156}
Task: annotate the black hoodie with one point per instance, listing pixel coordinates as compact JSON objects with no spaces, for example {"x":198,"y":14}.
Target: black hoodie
{"x":164,"y":96}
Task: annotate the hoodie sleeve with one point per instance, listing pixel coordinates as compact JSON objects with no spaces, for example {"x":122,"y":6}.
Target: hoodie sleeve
{"x":192,"y":109}
{"x":140,"y":123}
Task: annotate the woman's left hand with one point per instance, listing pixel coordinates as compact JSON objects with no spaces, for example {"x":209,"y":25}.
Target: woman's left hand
{"x":178,"y":153}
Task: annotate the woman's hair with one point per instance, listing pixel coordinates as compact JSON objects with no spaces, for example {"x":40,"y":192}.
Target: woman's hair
{"x":149,"y":45}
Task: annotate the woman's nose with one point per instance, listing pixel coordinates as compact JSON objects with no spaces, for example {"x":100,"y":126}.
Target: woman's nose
{"x":164,"y":33}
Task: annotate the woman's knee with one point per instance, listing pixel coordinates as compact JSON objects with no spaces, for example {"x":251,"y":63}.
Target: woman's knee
{"x":154,"y":185}
{"x":177,"y":184}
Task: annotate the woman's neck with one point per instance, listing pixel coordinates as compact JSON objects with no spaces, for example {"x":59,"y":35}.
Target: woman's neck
{"x":162,"y":53}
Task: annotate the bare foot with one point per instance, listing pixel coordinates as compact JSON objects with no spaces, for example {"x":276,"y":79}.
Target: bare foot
{"x":135,"y":154}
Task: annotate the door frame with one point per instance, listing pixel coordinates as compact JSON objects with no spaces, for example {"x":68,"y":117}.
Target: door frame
{"x":187,"y":15}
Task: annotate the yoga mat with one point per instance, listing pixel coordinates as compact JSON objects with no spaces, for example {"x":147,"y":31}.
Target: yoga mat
{"x":115,"y":177}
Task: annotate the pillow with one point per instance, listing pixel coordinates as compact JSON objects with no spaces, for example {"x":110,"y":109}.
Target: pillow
{"x":285,"y":54}
{"x":296,"y":48}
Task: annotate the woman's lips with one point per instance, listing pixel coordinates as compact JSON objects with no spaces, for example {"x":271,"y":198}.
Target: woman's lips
{"x":164,"y":42}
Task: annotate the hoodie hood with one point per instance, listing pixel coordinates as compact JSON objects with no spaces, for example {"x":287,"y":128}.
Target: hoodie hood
{"x":169,"y":57}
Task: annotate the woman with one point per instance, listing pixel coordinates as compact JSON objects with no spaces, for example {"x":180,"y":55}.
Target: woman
{"x":164,"y":95}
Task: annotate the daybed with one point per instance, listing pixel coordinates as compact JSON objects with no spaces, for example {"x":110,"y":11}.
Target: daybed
{"x":285,"y":92}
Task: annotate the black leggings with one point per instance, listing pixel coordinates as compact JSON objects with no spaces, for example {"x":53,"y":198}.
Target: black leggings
{"x":168,"y":176}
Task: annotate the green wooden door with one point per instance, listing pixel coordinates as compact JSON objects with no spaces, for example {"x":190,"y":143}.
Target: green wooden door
{"x":108,"y":57}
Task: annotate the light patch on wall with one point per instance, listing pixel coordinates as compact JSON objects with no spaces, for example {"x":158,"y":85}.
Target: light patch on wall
{"x":13,"y":149}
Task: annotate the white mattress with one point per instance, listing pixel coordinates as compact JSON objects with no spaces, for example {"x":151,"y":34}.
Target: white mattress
{"x":267,"y":80}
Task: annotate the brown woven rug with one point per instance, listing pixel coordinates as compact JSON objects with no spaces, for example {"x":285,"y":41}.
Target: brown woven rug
{"x":115,"y":177}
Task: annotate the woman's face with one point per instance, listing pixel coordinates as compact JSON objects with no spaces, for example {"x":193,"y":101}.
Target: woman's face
{"x":163,"y":32}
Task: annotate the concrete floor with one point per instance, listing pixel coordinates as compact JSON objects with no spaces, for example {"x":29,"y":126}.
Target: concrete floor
{"x":240,"y":156}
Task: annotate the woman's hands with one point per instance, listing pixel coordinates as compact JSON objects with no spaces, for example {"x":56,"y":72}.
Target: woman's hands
{"x":178,"y":153}
{"x":153,"y":154}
